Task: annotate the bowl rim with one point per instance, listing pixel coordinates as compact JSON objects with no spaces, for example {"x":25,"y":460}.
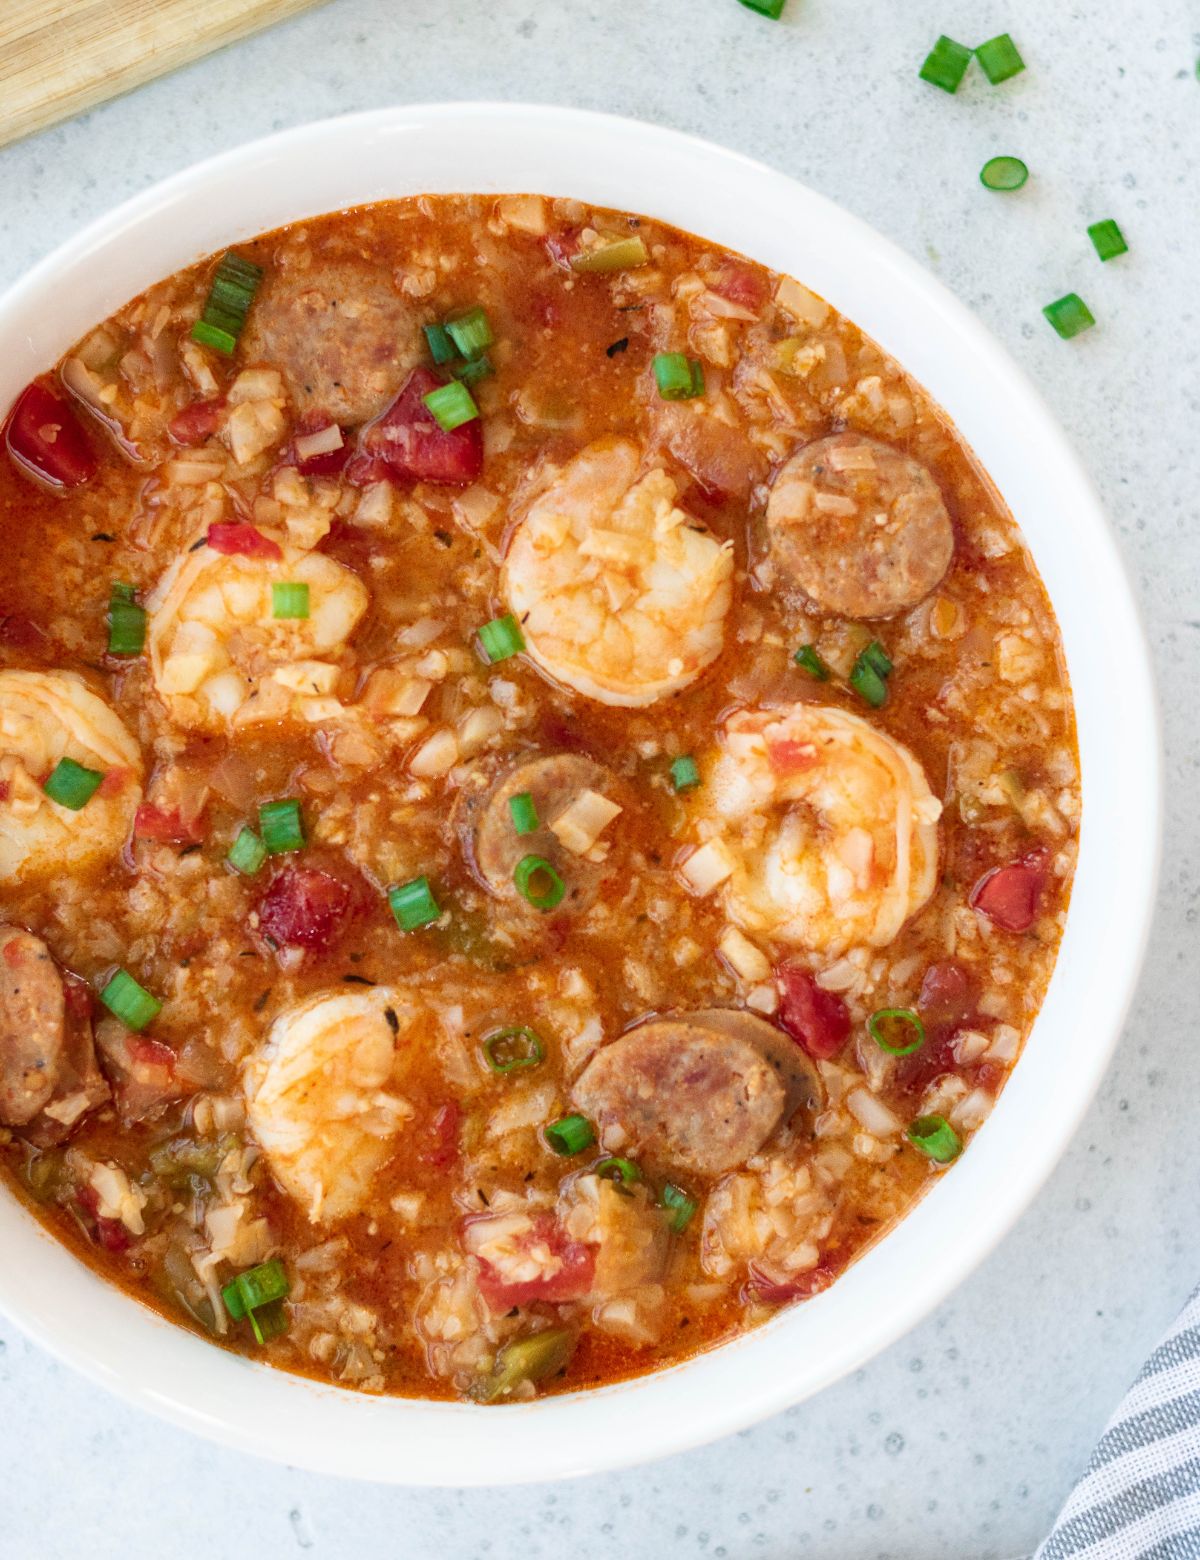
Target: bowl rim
{"x":128,"y":1349}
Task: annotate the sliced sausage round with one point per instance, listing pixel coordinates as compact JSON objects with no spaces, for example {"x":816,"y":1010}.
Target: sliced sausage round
{"x":335,"y":330}
{"x":699,"y":1093}
{"x":32,"y":1026}
{"x":494,"y":848}
{"x":860,"y":527}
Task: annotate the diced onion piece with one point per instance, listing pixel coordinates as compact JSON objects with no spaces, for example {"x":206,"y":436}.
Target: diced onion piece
{"x":437,"y":755}
{"x":583,"y":821}
{"x":972,"y":1110}
{"x":746,"y":960}
{"x":324,"y":442}
{"x":872,"y":1114}
{"x":707,"y":867}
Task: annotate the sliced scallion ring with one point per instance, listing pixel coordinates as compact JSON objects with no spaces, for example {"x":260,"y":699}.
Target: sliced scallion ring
{"x":898,"y":1031}
{"x":538,"y":883}
{"x":281,"y":826}
{"x":501,"y":638}
{"x":935,"y":1138}
{"x":678,"y":377}
{"x":126,"y":621}
{"x":680,"y":1207}
{"x":441,"y":346}
{"x":71,"y":785}
{"x":247,"y":853}
{"x":999,"y":59}
{"x":413,"y":904}
{"x":621,"y":254}
{"x":524,"y":813}
{"x":1069,"y":315}
{"x":131,"y":1003}
{"x":508,"y":1050}
{"x":685,"y":774}
{"x":807,"y":659}
{"x":234,"y":285}
{"x":870,"y":674}
{"x":1107,"y":239}
{"x":1003,"y":173}
{"x":470,"y":332}
{"x":623,"y":1171}
{"x":946,"y":64}
{"x":452,"y":405}
{"x":289,"y":599}
{"x":570,"y":1135}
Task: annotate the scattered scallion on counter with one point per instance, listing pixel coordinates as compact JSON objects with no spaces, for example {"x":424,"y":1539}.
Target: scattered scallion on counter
{"x":679,"y":378}
{"x":1069,"y":315}
{"x":935,"y":1138}
{"x":523,"y":811}
{"x":680,"y":1207}
{"x":685,"y":775}
{"x":234,"y":285}
{"x":247,"y":853}
{"x":807,"y":659}
{"x":508,"y":1050}
{"x":71,"y":785}
{"x":1003,"y":173}
{"x":538,"y":883}
{"x":451,"y":405}
{"x":999,"y":59}
{"x":898,"y":1031}
{"x":946,"y":64}
{"x":771,"y":8}
{"x":131,"y":1003}
{"x":281,"y":826}
{"x":126,"y":621}
{"x":621,"y":254}
{"x":289,"y":599}
{"x":501,"y":638}
{"x":570,"y":1135}
{"x":1107,"y":239}
{"x":870,"y":674}
{"x":413,"y":904}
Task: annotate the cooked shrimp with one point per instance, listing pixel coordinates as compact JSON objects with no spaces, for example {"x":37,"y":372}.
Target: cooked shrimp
{"x":820,"y":829}
{"x":219,"y":655}
{"x":320,"y":1095}
{"x":45,"y":717}
{"x":619,"y":593}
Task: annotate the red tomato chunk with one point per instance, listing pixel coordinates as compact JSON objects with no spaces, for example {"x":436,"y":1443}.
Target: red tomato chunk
{"x":406,"y":444}
{"x":46,"y":440}
{"x":235,"y":537}
{"x":304,"y":908}
{"x":196,"y":423}
{"x":1009,"y":896}
{"x":817,"y":1019}
{"x":571,"y":1279}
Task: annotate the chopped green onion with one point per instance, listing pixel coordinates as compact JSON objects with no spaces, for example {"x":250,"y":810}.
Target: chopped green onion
{"x":999,"y":59}
{"x":1107,"y":239}
{"x":470,"y":373}
{"x":413,"y":904}
{"x":936,"y":1138}
{"x":126,"y":621}
{"x":685,"y":776}
{"x":257,"y":1286}
{"x":510,"y":1049}
{"x":622,"y":254}
{"x":441,"y":347}
{"x":131,"y":1003}
{"x":531,"y":1359}
{"x":247,"y":853}
{"x":570,"y":1135}
{"x":771,"y":8}
{"x":229,"y":298}
{"x":623,"y":1171}
{"x":809,"y":661}
{"x":679,"y":377}
{"x":501,"y":638}
{"x":946,"y":64}
{"x":269,"y":1321}
{"x":524,"y":813}
{"x":1069,"y":315}
{"x":470,"y":332}
{"x":870,"y":673}
{"x":289,"y":599}
{"x":71,"y":785}
{"x":1003,"y":173}
{"x":898,"y":1031}
{"x":281,"y":826}
{"x":679,"y":1205}
{"x":538,"y":883}
{"x":452,"y":405}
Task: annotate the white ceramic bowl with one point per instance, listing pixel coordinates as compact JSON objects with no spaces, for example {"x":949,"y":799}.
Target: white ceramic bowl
{"x":739,"y":204}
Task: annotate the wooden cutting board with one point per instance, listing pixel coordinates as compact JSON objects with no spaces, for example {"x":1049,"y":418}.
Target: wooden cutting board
{"x":58,"y":57}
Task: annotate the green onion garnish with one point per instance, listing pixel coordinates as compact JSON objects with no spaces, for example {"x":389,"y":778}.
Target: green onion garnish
{"x":131,"y":1003}
{"x":771,"y":8}
{"x":126,"y":621}
{"x":524,"y":813}
{"x":999,"y":59}
{"x":570,"y":1135}
{"x":1003,"y":173}
{"x":685,"y":776}
{"x":413,"y":904}
{"x":936,"y":1138}
{"x":71,"y":785}
{"x":289,"y":599}
{"x":623,"y":1171}
{"x":471,"y":373}
{"x":247,"y":853}
{"x":1069,"y":315}
{"x":538,"y":883}
{"x":809,"y":661}
{"x":1107,"y":239}
{"x":281,"y":826}
{"x":441,"y":347}
{"x":898,"y":1031}
{"x":269,"y":1321}
{"x":679,"y":377}
{"x":510,"y":1049}
{"x":680,"y":1207}
{"x":946,"y":64}
{"x":470,"y":332}
{"x":870,"y":674}
{"x":501,"y":638}
{"x":256,"y":1287}
{"x":452,"y":405}
{"x":229,"y":298}
{"x":623,"y":254}
{"x":533,"y":1358}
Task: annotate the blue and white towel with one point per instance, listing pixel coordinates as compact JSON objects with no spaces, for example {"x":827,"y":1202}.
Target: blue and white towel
{"x":1140,"y":1496}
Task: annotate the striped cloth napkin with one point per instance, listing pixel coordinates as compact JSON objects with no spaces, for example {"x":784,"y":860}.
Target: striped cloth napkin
{"x":1140,"y":1496}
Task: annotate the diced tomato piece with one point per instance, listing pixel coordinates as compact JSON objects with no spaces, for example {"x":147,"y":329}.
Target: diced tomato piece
{"x":167,"y":825}
{"x":817,"y":1019}
{"x":915,"y":1073}
{"x":110,"y":1234}
{"x":406,"y":444}
{"x":147,"y":1052}
{"x":741,"y":284}
{"x":988,"y":1075}
{"x":327,"y":465}
{"x":114,"y":782}
{"x":1009,"y":895}
{"x":571,"y":1279}
{"x":761,"y":1286}
{"x":46,"y":440}
{"x":238,"y":537}
{"x":442,"y":1136}
{"x":563,"y":247}
{"x":789,"y":757}
{"x":20,"y":631}
{"x":77,"y":995}
{"x":304,"y":908}
{"x":947,"y":993}
{"x":197,"y":422}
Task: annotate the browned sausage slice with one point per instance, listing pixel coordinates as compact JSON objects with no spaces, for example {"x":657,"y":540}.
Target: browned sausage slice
{"x":860,"y":527}
{"x":32,"y":1026}
{"x":493,"y":846}
{"x":699,"y":1093}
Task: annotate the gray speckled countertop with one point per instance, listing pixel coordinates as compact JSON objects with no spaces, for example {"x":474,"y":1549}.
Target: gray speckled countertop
{"x":962,"y":1439}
